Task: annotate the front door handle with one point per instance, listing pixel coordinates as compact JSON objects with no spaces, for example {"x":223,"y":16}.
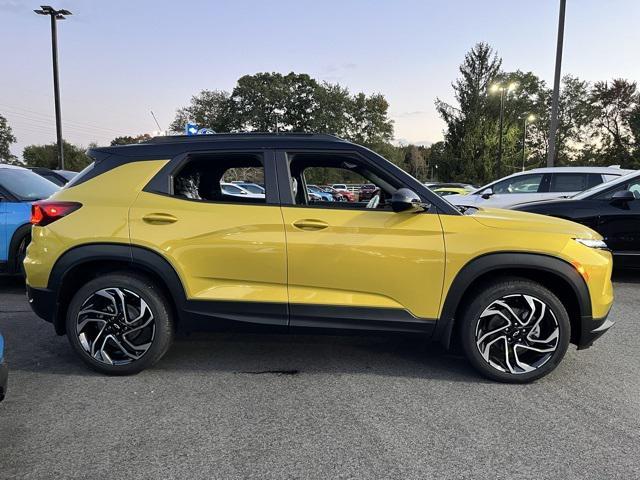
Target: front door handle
{"x":310,"y":224}
{"x":159,"y":218}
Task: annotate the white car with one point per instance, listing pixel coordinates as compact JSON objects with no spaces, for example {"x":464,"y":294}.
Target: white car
{"x":238,"y":191}
{"x":537,"y":184}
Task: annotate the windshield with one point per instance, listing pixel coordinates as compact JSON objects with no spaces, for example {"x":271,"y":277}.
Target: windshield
{"x":232,"y":189}
{"x":604,"y":186}
{"x":26,"y":185}
{"x":252,"y":188}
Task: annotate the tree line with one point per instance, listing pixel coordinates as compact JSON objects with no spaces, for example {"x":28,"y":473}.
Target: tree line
{"x":599,"y":122}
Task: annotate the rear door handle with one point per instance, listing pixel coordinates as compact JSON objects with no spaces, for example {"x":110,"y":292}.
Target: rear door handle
{"x":159,"y":218}
{"x":310,"y":224}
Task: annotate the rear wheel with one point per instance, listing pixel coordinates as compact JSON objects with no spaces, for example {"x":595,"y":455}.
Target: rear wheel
{"x":119,"y":324}
{"x":515,"y":330}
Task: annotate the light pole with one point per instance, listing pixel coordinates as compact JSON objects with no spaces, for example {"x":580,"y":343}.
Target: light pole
{"x":529,"y":118}
{"x":55,"y":15}
{"x":497,"y":87}
{"x":553,"y":124}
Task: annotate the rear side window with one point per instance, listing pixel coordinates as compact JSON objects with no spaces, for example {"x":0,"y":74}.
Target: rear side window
{"x":209,"y":178}
{"x":573,"y":182}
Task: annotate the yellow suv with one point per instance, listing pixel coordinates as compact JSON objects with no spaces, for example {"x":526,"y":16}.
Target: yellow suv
{"x":152,"y":237}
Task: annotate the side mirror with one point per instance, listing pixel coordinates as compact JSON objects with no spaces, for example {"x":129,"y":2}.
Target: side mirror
{"x":406,"y":200}
{"x":487,"y":192}
{"x":623,"y":196}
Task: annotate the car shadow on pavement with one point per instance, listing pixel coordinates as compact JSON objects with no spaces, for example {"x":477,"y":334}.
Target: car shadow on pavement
{"x":295,"y":354}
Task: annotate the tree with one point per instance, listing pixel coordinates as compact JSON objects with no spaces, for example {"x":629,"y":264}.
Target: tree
{"x":208,"y":109}
{"x":6,"y":139}
{"x":415,"y":163}
{"x":128,"y":140}
{"x":471,"y":134}
{"x":46,"y":156}
{"x":615,"y":109}
{"x":295,"y":102}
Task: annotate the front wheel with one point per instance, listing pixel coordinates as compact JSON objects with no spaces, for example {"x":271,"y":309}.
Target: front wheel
{"x":119,"y":323}
{"x":515,"y":330}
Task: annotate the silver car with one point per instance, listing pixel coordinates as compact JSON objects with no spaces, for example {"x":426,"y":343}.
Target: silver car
{"x":537,"y":184}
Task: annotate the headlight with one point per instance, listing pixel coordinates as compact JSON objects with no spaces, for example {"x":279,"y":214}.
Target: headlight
{"x":588,"y":242}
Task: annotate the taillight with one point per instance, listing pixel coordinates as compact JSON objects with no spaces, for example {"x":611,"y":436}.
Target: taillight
{"x":45,"y":212}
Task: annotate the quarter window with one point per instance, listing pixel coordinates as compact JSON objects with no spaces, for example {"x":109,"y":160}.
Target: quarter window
{"x":573,"y":182}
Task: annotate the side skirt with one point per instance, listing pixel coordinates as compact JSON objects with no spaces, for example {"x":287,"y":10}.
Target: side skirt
{"x":200,"y":315}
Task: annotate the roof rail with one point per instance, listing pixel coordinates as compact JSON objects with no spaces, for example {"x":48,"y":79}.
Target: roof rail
{"x":239,"y":136}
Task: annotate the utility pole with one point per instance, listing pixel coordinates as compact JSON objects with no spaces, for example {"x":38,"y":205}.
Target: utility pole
{"x":56,"y":15}
{"x":556,"y":88}
{"x":529,"y":119}
{"x":499,"y":165}
{"x":504,"y":90}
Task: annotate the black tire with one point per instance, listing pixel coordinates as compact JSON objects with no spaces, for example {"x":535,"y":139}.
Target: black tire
{"x":138,"y":287}
{"x":501,"y":364}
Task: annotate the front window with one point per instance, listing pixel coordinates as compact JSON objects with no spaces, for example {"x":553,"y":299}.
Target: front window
{"x":632,"y":185}
{"x":252,"y":188}
{"x":519,"y":184}
{"x":312,"y":169}
{"x":26,"y":185}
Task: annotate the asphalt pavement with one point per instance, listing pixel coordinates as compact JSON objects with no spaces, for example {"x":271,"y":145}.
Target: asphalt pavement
{"x":229,"y":405}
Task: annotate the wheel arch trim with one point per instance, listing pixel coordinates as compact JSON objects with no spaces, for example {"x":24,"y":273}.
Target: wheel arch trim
{"x":141,"y":257}
{"x":18,"y":234}
{"x":504,"y":262}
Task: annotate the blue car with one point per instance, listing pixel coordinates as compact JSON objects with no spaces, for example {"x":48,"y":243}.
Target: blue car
{"x":19,"y":188}
{"x":324,"y":196}
{"x":4,"y":372}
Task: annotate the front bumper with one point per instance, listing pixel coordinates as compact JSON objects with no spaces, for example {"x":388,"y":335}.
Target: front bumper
{"x":4,"y":377}
{"x":592,"y":329}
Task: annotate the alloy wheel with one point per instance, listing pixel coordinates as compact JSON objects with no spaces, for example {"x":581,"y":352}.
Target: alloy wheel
{"x":115,"y":326}
{"x":517,"y":334}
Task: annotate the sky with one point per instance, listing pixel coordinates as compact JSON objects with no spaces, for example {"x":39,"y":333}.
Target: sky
{"x":121,"y":59}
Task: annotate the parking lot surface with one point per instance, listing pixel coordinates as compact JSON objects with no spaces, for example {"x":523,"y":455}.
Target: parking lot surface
{"x":223,"y":405}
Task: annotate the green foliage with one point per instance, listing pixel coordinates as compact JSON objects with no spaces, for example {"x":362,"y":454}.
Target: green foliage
{"x":46,"y":156}
{"x":6,"y":139}
{"x":269,"y":102}
{"x":128,"y":140}
{"x":207,"y":109}
{"x":598,"y":124}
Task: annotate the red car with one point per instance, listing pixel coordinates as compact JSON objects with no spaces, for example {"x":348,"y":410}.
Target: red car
{"x":367,"y":192}
{"x":340,"y":195}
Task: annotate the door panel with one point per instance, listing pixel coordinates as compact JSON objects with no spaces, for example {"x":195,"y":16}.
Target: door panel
{"x":359,"y":258}
{"x":620,"y":226}
{"x":221,"y":251}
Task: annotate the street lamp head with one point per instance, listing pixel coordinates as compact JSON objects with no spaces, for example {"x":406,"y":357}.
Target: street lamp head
{"x":513,"y":86}
{"x":49,"y":10}
{"x":531,"y":118}
{"x":495,"y":88}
